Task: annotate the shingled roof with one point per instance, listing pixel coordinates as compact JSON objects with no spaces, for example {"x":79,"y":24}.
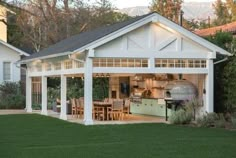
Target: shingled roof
{"x":231,"y":27}
{"x":75,"y":42}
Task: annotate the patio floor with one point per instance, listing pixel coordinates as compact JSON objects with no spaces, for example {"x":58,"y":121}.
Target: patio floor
{"x":9,"y":112}
{"x":129,"y":119}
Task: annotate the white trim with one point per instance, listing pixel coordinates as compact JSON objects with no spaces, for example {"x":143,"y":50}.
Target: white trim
{"x":44,"y":110}
{"x":166,"y":42}
{"x":88,"y":91}
{"x":14,"y":48}
{"x":156,"y":54}
{"x":210,"y":87}
{"x":150,"y":70}
{"x":28,"y":93}
{"x":46,"y":57}
{"x":11,"y":71}
{"x":63,"y":114}
{"x":192,"y":36}
{"x":57,"y":72}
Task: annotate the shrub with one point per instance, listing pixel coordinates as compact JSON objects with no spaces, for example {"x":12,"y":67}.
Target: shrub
{"x":193,"y":105}
{"x":234,"y":123}
{"x":11,"y":96}
{"x":53,"y":94}
{"x":181,"y":117}
{"x":208,"y":120}
{"x":221,"y":122}
{"x":36,"y":106}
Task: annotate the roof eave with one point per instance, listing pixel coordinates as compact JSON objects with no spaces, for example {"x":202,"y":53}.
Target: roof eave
{"x":14,"y":48}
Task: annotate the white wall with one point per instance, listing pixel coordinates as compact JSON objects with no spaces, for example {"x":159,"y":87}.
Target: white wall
{"x":155,"y":41}
{"x":8,"y":55}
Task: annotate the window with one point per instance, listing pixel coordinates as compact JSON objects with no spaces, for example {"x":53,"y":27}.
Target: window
{"x":57,"y":66}
{"x":120,"y":62}
{"x":48,"y":67}
{"x":68,"y":64}
{"x":180,"y":63}
{"x":6,"y":71}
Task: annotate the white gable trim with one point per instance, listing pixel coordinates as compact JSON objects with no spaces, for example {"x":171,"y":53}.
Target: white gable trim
{"x":192,"y":36}
{"x":167,"y":42}
{"x":14,"y":48}
{"x":160,"y":20}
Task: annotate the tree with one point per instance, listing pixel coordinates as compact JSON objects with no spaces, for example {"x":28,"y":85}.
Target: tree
{"x":103,"y":14}
{"x":225,"y":73}
{"x":231,"y":6}
{"x":42,"y":23}
{"x":229,"y":75}
{"x":221,"y":12}
{"x":168,"y":8}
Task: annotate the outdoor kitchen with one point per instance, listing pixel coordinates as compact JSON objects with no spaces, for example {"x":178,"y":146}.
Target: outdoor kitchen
{"x":150,"y":93}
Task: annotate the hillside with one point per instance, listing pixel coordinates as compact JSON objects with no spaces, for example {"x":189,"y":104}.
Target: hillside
{"x":192,"y":10}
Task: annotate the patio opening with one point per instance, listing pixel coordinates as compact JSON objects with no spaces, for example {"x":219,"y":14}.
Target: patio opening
{"x":120,"y":98}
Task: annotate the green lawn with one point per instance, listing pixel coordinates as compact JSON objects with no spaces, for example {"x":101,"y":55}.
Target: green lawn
{"x":35,"y":136}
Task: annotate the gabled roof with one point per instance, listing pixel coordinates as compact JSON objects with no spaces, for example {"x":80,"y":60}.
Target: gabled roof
{"x":14,"y":48}
{"x":86,"y":39}
{"x":72,"y":43}
{"x":231,"y":27}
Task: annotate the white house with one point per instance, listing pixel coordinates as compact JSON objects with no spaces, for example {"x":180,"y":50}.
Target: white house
{"x":143,"y":46}
{"x":9,"y":54}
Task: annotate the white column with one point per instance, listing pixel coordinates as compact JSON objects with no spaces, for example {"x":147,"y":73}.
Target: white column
{"x":44,"y":110}
{"x":210,"y":87}
{"x":28,"y":93}
{"x":88,"y":91}
{"x":63,"y":114}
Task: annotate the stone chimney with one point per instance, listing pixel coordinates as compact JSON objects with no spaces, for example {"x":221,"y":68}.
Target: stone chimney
{"x":3,"y":26}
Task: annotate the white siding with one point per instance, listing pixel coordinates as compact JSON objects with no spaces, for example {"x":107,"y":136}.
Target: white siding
{"x":8,"y":55}
{"x":152,"y":40}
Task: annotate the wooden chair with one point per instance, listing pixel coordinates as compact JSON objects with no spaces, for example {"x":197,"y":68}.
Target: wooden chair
{"x":126,"y":109}
{"x":73,"y":107}
{"x":116,"y":110}
{"x":80,"y":106}
{"x":106,"y":100}
{"x":99,"y":113}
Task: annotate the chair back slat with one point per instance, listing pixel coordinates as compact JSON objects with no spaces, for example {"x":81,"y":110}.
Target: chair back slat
{"x":81,"y":101}
{"x":127,"y":103}
{"x":117,"y":104}
{"x":106,"y":100}
{"x":77,"y":102}
{"x":73,"y":103}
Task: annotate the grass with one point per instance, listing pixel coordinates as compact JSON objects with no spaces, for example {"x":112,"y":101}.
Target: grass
{"x":35,"y":136}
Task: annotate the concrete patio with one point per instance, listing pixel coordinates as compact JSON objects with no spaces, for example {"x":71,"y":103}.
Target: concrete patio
{"x":10,"y":112}
{"x":131,"y":119}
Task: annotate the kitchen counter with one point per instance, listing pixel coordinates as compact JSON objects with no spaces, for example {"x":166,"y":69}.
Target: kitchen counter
{"x":150,"y":106}
{"x":152,"y":98}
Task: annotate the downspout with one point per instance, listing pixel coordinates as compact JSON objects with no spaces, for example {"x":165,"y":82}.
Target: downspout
{"x":220,"y":61}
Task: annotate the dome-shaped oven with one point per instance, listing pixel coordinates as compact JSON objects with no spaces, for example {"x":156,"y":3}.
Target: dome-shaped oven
{"x":180,"y":90}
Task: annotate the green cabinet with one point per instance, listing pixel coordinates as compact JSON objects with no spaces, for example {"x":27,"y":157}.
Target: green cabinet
{"x":149,"y":107}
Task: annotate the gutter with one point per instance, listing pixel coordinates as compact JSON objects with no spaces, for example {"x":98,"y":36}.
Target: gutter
{"x":18,"y":66}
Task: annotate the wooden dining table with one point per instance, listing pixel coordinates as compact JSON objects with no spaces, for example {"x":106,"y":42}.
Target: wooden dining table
{"x":103,"y":104}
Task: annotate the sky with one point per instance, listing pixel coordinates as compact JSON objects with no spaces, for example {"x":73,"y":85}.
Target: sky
{"x":132,"y":3}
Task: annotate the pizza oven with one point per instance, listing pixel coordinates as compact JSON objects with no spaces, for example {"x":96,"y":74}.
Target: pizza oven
{"x":180,"y":90}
